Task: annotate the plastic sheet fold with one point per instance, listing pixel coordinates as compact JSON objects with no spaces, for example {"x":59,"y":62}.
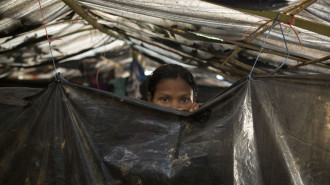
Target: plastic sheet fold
{"x":273,"y":130}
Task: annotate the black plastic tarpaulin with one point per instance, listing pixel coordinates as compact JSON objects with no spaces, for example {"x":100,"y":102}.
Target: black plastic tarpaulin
{"x":270,"y":130}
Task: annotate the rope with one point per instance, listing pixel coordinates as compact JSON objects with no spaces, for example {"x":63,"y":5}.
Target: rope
{"x":287,"y":51}
{"x":262,"y":46}
{"x":290,"y":24}
{"x":267,"y":21}
{"x":57,"y":75}
{"x":286,"y":46}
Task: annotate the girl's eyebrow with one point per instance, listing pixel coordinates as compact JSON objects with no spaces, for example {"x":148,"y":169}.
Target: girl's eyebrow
{"x":185,"y":95}
{"x":164,"y":94}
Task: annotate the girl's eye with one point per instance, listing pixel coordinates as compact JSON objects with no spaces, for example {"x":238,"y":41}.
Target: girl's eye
{"x":185,"y":99}
{"x":164,"y":99}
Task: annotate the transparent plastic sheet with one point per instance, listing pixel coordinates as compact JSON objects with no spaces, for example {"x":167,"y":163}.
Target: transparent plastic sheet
{"x":274,"y":130}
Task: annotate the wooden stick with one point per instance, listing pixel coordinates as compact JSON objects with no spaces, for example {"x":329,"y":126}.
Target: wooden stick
{"x":80,"y":11}
{"x":304,"y":64}
{"x":237,"y":50}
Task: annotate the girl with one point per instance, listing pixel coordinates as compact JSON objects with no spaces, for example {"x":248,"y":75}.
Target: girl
{"x":173,"y":86}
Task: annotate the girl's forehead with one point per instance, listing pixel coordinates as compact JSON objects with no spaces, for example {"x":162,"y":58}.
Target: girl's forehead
{"x":172,"y":82}
{"x":173,"y":85}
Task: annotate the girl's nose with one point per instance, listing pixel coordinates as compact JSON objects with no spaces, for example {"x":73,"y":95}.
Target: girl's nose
{"x":176,"y":105}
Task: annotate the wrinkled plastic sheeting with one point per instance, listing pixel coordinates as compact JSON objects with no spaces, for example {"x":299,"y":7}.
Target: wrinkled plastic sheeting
{"x":273,"y":130}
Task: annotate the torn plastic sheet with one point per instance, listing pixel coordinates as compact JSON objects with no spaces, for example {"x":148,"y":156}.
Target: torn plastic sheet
{"x":271,"y":131}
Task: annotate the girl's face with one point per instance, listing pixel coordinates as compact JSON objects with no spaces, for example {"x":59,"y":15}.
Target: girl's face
{"x":173,"y":93}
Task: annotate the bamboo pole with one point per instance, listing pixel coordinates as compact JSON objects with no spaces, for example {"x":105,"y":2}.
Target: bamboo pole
{"x":236,"y":62}
{"x":291,"y":11}
{"x":80,"y":11}
{"x":216,"y":65}
{"x":248,"y":67}
{"x":264,"y":27}
{"x":304,"y":64}
{"x":189,"y":35}
{"x":228,"y":58}
{"x":299,"y":22}
{"x":299,"y":7}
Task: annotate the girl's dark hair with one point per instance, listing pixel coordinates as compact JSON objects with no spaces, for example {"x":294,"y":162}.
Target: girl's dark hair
{"x":171,"y":71}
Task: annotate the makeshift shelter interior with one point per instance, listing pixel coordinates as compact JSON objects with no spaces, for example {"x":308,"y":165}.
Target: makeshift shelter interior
{"x":262,"y":67}
{"x":93,"y":40}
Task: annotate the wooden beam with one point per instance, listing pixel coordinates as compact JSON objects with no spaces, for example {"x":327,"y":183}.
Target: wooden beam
{"x":298,"y":22}
{"x":306,"y":63}
{"x":229,"y":57}
{"x":80,"y":11}
{"x":291,"y":11}
{"x":214,"y":64}
{"x":189,"y":35}
{"x":299,"y":7}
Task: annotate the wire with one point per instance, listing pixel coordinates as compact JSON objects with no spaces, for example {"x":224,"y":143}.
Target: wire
{"x":287,"y":51}
{"x":262,"y":46}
